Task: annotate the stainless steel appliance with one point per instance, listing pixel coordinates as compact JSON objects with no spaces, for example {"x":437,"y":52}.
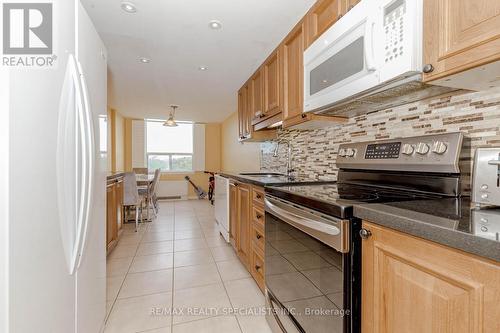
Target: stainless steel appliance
{"x":486,"y":177}
{"x":313,"y":246}
{"x":371,"y":59}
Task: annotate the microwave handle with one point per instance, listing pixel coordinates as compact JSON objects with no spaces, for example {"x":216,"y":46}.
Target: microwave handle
{"x":370,"y":25}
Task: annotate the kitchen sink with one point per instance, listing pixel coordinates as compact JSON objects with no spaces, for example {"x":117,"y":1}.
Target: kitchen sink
{"x":262,"y":174}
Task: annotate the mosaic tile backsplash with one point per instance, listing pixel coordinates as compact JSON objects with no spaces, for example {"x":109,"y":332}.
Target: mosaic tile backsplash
{"x":314,"y":152}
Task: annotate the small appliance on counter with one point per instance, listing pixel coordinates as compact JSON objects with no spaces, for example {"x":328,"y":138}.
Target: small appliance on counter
{"x":486,"y":223}
{"x":486,"y":177}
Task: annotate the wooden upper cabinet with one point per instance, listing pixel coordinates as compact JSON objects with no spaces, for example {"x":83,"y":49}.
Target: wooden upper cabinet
{"x":459,"y":35}
{"x":321,"y":16}
{"x":292,"y":50}
{"x":244,"y":112}
{"x":349,"y":4}
{"x":256,"y":93}
{"x":241,"y":112}
{"x":272,"y":84}
{"x":414,"y":285}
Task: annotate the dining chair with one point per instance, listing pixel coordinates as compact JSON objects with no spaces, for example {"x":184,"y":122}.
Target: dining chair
{"x":154,"y":195}
{"x":148,"y":191}
{"x":141,"y":171}
{"x":131,"y":195}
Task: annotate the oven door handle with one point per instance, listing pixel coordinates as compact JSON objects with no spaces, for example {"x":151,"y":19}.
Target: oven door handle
{"x":301,"y":220}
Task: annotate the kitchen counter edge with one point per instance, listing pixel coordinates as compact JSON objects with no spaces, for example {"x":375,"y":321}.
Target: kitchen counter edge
{"x":415,"y":225}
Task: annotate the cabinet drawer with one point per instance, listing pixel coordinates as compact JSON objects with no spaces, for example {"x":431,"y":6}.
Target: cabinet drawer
{"x":258,"y":215}
{"x":257,"y":268}
{"x":258,"y":196}
{"x":258,"y":235}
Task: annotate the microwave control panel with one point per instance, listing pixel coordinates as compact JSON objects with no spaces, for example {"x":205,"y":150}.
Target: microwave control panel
{"x":394,"y":30}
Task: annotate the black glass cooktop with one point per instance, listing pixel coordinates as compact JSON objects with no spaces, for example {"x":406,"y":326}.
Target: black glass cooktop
{"x":336,"y":199}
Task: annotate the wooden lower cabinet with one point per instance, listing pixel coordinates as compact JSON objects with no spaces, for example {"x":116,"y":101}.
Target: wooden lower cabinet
{"x":114,"y":212}
{"x":246,"y":227}
{"x":233,"y":214}
{"x":243,"y":208}
{"x":414,"y":285}
{"x":111,"y":228}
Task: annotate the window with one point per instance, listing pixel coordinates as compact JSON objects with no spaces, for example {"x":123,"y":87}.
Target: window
{"x":169,"y":148}
{"x":103,"y":135}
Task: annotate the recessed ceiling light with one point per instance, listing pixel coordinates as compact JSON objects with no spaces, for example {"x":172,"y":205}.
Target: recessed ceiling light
{"x":202,"y":68}
{"x":144,"y":60}
{"x":129,"y":7}
{"x":215,"y":24}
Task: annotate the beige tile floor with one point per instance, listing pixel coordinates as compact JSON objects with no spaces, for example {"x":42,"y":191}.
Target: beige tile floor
{"x":175,"y":266}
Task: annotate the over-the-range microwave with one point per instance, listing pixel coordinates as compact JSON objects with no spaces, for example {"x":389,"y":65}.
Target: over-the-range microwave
{"x":369,"y":59}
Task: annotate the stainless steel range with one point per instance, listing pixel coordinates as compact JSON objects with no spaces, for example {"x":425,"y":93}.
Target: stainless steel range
{"x":313,"y":243}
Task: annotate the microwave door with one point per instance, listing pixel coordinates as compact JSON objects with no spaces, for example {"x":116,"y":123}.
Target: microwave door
{"x":343,"y":61}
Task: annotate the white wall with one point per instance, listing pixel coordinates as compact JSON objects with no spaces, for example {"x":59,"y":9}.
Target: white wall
{"x":4,"y":200}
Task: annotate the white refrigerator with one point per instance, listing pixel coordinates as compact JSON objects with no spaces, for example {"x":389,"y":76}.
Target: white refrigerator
{"x":56,"y":190}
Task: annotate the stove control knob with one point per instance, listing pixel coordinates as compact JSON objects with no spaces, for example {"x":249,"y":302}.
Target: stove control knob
{"x":439,"y":147}
{"x":407,"y":149}
{"x":422,"y":148}
{"x":350,"y":152}
{"x":342,"y":152}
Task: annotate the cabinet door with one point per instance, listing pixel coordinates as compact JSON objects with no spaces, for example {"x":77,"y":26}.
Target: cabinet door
{"x":244,"y":223}
{"x":349,"y":4}
{"x":247,"y":114}
{"x":293,"y":72}
{"x":256,"y":87}
{"x":413,"y":285}
{"x":111,"y":226}
{"x":460,"y":35}
{"x":233,"y":215}
{"x":241,"y":112}
{"x":272,"y":83}
{"x":321,"y":16}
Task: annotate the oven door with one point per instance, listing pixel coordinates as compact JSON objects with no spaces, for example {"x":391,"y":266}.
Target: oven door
{"x":307,"y":280}
{"x":345,"y":60}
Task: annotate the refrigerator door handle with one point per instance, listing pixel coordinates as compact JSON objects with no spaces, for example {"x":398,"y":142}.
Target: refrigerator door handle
{"x":74,"y":164}
{"x":88,"y":172}
{"x":69,"y":163}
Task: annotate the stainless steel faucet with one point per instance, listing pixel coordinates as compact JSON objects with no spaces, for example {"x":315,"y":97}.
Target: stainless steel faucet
{"x":289,"y":169}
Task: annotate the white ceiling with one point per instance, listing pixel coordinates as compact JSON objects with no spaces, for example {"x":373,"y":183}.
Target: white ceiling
{"x":176,"y":36}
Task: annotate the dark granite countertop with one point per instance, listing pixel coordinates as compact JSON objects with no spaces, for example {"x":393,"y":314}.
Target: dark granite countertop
{"x":267,"y":181}
{"x":451,"y":222}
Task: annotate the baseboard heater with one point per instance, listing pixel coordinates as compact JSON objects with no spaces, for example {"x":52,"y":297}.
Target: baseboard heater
{"x":172,"y":189}
{"x":172,"y":197}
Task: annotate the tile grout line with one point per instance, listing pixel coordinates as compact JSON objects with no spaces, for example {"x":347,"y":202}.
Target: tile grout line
{"x":123,"y":281}
{"x":225,"y":289}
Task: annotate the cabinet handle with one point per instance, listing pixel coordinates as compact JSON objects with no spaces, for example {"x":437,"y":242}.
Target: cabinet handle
{"x":365,"y":233}
{"x":257,"y":267}
{"x":258,"y":216}
{"x":262,"y":115}
{"x":258,"y":196}
{"x":428,"y":68}
{"x":303,"y":115}
{"x":259,"y":236}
